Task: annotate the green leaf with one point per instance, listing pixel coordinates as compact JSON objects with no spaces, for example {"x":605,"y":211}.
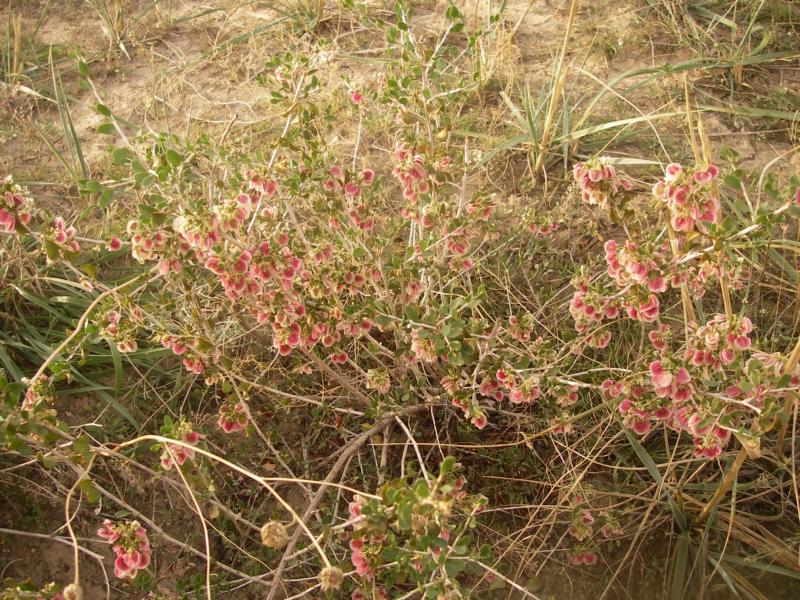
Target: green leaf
{"x":447,"y":465}
{"x":89,"y":491}
{"x":81,"y":446}
{"x":174,"y":158}
{"x":121,"y":156}
{"x":106,"y":129}
{"x":105,"y":198}
{"x":421,"y":489}
{"x":412,"y":313}
{"x":754,"y":564}
{"x":452,"y":12}
{"x":454,"y":567}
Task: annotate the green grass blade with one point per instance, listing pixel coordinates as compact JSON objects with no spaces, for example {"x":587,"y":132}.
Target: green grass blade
{"x":648,"y":462}
{"x":679,"y":581}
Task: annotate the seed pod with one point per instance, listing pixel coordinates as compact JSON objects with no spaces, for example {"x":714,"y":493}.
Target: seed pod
{"x":331,"y":578}
{"x":274,"y":535}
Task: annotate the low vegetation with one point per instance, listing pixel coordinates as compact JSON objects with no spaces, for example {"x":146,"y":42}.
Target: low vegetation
{"x":425,"y":300}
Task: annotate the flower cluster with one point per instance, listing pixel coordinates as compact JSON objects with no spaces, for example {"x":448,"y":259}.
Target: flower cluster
{"x":188,"y":348}
{"x":598,"y":181}
{"x":15,"y":206}
{"x":461,"y":397}
{"x":378,"y":380}
{"x":330,"y":578}
{"x":709,"y":270}
{"x":343,"y":182}
{"x":589,"y":307}
{"x":717,"y":343}
{"x":122,"y":332}
{"x":61,"y":238}
{"x":585,"y":522}
{"x":690,"y":197}
{"x":232,"y":416}
{"x":643,"y":271}
{"x":543,"y":229}
{"x":423,"y":347}
{"x":631,"y":265}
{"x":267,"y":276}
{"x":520,"y":328}
{"x":178,"y":454}
{"x":410,"y":172}
{"x":38,"y":392}
{"x":274,"y":535}
{"x":130,"y":545}
{"x":518,"y":389}
{"x":702,"y":388}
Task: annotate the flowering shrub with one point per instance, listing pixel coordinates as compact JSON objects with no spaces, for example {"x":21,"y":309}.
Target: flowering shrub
{"x":288,"y":311}
{"x":696,"y":389}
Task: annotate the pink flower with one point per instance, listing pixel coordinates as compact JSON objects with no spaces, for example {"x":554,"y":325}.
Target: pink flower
{"x":648,"y":312}
{"x":487,"y":387}
{"x":231,"y":426}
{"x":727,"y":356}
{"x":367,"y":176}
{"x":582,"y":557}
{"x":657,"y":284}
{"x":107,"y":531}
{"x":598,"y":182}
{"x":673,"y":171}
{"x":681,"y":386}
{"x":268,"y":187}
{"x":479,"y":421}
{"x":679,"y":195}
{"x":352,"y":189}
{"x":339,"y":358}
{"x":130,"y":545}
{"x":356,"y":97}
{"x":682,"y":223}
{"x":661,"y":377}
{"x":640,"y":424}
{"x":707,"y":176}
{"x":658,"y":336}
